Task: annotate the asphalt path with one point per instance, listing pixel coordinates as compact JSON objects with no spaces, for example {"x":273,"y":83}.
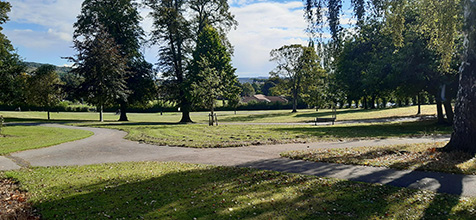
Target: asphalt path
{"x":109,"y":146}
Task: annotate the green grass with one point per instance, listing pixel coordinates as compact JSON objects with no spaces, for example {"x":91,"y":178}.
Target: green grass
{"x":19,"y":138}
{"x":272,"y":116}
{"x":426,"y":156}
{"x":199,"y":135}
{"x":152,"y":190}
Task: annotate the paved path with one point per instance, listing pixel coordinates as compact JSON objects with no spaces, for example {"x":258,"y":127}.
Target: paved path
{"x":109,"y":146}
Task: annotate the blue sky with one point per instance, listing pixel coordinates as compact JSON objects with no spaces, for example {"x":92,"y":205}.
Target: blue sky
{"x":41,"y":30}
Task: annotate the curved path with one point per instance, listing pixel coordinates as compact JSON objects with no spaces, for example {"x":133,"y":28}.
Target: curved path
{"x":108,"y":145}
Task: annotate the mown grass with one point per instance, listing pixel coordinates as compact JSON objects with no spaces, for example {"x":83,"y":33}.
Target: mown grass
{"x":271,"y":116}
{"x":229,"y":135}
{"x":426,"y":156}
{"x":150,"y":190}
{"x":19,"y":138}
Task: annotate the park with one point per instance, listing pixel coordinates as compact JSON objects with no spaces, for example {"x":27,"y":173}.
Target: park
{"x":368,"y":119}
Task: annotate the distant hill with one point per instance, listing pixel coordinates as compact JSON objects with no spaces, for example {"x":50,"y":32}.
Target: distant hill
{"x":250,"y":79}
{"x":32,"y":66}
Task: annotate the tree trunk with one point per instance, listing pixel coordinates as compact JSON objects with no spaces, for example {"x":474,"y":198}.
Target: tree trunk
{"x":101,"y":119}
{"x":185,"y":108}
{"x":372,"y":102}
{"x":295,"y":101}
{"x":49,"y":114}
{"x":439,"y":110}
{"x":464,"y":126}
{"x":366,"y":105}
{"x":123,"y":109}
{"x":449,"y":111}
{"x":419,"y":104}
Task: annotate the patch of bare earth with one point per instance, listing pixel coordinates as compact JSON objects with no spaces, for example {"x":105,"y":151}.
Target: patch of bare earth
{"x":13,"y":202}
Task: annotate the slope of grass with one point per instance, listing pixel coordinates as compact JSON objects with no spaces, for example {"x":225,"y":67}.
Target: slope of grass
{"x":199,"y":135}
{"x":271,"y":116}
{"x":427,"y":157}
{"x":19,"y":138}
{"x":151,"y":190}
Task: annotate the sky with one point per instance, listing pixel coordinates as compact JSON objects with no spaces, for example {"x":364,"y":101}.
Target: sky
{"x":41,"y":31}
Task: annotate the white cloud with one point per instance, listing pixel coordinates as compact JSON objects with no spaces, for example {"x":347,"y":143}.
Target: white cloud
{"x":46,"y":28}
{"x":57,"y":15}
{"x":264,"y":26}
{"x":38,"y":40}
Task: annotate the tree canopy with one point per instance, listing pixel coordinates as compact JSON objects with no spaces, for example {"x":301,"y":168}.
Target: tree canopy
{"x":177,"y":25}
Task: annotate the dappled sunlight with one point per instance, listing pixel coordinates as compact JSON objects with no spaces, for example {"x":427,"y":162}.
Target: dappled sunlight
{"x":408,"y":157}
{"x":173,"y":190}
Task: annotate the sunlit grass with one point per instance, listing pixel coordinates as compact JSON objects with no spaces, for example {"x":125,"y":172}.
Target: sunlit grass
{"x":19,"y":138}
{"x":229,"y":135}
{"x":271,"y":116}
{"x":152,"y":190}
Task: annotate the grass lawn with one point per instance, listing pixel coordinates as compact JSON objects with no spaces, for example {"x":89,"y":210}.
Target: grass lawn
{"x":199,"y":135}
{"x":271,"y":116}
{"x":152,"y":190}
{"x":19,"y":138}
{"x":414,"y":157}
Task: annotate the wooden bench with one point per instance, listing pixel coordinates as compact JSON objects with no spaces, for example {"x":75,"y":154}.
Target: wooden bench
{"x":333,"y":119}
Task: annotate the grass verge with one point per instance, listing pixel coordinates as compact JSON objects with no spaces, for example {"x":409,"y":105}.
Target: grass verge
{"x":262,"y":116}
{"x":152,"y":190}
{"x":20,"y":138}
{"x":425,"y":157}
{"x":199,"y":135}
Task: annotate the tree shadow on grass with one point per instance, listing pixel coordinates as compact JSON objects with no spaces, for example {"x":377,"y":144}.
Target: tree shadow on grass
{"x":221,"y":193}
{"x":393,"y":202}
{"x":418,"y":128}
{"x":119,"y":124}
{"x":14,"y":120}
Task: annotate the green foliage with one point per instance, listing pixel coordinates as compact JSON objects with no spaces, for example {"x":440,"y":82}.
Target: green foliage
{"x":177,"y":26}
{"x":300,"y":68}
{"x":103,"y":67}
{"x":121,"y":20}
{"x":44,"y":87}
{"x":247,"y":89}
{"x":211,"y":72}
{"x":11,"y":67}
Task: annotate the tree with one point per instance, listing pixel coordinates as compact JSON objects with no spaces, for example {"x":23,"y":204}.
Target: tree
{"x":211,"y":72}
{"x":247,"y":89}
{"x":441,"y":20}
{"x":177,"y":25}
{"x":297,"y":64}
{"x":464,"y":134}
{"x":102,"y":66}
{"x":44,"y":88}
{"x":11,"y":65}
{"x":121,"y":20}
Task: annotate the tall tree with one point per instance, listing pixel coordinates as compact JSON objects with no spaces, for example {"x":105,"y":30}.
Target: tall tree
{"x":121,"y":20}
{"x":298,"y":64}
{"x":441,"y":19}
{"x":177,"y":24}
{"x":10,"y":65}
{"x":103,"y":67}
{"x":211,"y":72}
{"x":44,"y":88}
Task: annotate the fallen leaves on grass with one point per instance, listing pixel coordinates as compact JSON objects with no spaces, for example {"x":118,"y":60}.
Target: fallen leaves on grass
{"x":414,"y":157}
{"x":13,"y":202}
